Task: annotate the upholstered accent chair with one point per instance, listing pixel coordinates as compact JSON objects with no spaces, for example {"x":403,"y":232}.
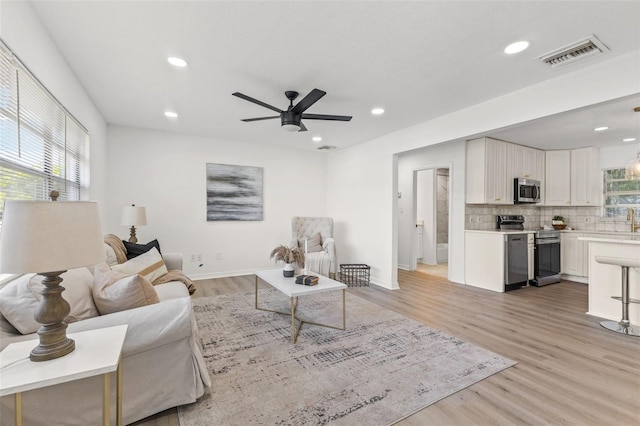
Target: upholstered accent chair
{"x":317,"y":234}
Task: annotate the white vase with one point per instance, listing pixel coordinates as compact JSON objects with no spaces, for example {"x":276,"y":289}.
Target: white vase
{"x":288,"y":270}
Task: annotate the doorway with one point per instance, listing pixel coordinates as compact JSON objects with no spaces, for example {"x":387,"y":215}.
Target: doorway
{"x":432,"y":195}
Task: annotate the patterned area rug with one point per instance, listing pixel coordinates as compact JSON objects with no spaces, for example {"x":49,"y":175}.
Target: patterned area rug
{"x":383,"y":368}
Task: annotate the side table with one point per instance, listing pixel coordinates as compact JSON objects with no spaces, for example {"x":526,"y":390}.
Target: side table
{"x":97,"y":352}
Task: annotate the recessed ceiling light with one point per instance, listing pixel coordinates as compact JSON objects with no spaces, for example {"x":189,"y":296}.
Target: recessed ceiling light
{"x":316,"y":139}
{"x":177,"y":62}
{"x":600,"y":129}
{"x":377,"y":111}
{"x":171,"y":114}
{"x":628,"y":139}
{"x":516,"y":47}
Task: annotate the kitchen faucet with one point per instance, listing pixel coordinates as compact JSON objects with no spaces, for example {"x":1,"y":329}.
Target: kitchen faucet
{"x":631,"y":215}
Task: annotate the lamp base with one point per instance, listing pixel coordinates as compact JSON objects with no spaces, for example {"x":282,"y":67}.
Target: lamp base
{"x":132,"y":235}
{"x":46,"y":352}
{"x":51,"y":312}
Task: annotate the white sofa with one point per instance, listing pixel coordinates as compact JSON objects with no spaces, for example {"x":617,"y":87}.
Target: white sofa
{"x":162,"y":364}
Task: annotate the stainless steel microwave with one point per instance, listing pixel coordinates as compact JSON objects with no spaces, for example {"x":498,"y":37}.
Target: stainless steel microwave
{"x":526,"y":191}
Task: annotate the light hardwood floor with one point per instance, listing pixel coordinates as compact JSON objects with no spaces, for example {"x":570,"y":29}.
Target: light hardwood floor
{"x":570,"y":370}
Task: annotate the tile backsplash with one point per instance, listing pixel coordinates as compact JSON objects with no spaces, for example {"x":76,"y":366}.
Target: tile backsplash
{"x":483,"y":217}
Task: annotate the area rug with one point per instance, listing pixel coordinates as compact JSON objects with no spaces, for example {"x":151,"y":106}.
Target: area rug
{"x":383,"y":368}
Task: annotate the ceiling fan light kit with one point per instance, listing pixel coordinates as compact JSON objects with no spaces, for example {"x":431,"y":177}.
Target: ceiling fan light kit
{"x":291,"y":119}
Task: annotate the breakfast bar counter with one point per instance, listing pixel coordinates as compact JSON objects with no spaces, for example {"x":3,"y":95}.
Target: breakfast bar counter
{"x":605,"y":279}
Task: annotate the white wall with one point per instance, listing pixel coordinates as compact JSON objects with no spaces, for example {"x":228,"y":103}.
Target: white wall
{"x":450,"y":155}
{"x":166,"y":173}
{"x":362,"y":181}
{"x":22,"y":31}
{"x":618,"y":156}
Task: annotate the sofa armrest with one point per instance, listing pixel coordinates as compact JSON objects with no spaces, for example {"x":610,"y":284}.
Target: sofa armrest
{"x":173,"y":261}
{"x":149,"y":326}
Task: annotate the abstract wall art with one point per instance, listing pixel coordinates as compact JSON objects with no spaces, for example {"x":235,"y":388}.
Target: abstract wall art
{"x":234,"y":192}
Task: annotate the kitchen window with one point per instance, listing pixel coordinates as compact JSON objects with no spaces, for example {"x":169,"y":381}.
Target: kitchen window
{"x":620,"y":194}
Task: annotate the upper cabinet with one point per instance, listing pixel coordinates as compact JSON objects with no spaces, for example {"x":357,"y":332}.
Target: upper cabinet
{"x":572,"y":177}
{"x":585,"y":182}
{"x":493,"y":164}
{"x":525,"y":162}
{"x":487,"y":172}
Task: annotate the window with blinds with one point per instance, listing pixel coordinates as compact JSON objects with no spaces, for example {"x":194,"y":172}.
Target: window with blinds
{"x":42,"y":147}
{"x":620,"y":194}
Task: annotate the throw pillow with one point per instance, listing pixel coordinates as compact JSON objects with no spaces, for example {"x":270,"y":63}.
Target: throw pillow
{"x":115,"y":291}
{"x":135,"y":250}
{"x":314,"y":243}
{"x":149,"y":264}
{"x":20,"y":298}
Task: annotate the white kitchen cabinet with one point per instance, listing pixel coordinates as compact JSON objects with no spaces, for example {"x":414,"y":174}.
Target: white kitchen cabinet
{"x":572,"y":177}
{"x":585,"y":182}
{"x":557,"y":178}
{"x":524,"y":162}
{"x":572,"y":255}
{"x":487,"y":181}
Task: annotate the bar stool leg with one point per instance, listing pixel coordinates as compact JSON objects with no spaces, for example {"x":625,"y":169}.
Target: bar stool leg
{"x":624,"y":325}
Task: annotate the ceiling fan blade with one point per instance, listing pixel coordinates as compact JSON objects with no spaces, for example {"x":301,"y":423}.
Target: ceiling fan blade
{"x":255,"y":101}
{"x":308,"y":100}
{"x":303,"y":128}
{"x":326,"y":117}
{"x":247,"y":120}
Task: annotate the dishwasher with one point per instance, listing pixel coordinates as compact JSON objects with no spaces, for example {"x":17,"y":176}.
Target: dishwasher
{"x":516,"y":261}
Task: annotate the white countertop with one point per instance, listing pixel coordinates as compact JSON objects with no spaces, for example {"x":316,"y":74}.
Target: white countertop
{"x":609,"y":240}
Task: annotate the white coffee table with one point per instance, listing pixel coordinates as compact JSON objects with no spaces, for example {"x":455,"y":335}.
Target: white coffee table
{"x":97,"y":352}
{"x":288,"y":286}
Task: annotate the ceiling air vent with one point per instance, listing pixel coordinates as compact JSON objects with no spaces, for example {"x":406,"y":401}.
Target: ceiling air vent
{"x":327,"y":147}
{"x":581,"y":49}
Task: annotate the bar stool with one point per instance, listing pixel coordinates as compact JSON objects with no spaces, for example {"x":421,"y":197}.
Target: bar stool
{"x":624,"y":326}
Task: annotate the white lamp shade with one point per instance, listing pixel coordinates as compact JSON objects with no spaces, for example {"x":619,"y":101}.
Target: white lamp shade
{"x":133,"y":216}
{"x":49,"y":236}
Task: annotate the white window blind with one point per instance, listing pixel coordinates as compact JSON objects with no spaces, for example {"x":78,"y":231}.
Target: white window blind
{"x":42,"y":147}
{"x":620,"y":194}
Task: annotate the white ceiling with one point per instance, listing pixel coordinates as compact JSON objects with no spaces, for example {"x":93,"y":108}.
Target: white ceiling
{"x":417,"y":59}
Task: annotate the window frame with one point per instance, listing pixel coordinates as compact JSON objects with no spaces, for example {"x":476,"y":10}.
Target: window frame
{"x":605,"y":194}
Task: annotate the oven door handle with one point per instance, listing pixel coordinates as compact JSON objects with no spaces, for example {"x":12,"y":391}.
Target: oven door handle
{"x":548,"y":241}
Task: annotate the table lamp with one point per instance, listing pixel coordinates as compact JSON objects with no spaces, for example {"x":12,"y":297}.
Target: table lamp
{"x":133,"y":216}
{"x":48,"y":238}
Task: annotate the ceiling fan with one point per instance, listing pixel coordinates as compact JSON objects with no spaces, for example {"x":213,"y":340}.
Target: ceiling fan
{"x":291,"y":119}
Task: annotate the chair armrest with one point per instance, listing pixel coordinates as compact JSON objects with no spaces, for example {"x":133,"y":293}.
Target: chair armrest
{"x":329,"y":245}
{"x":173,"y":261}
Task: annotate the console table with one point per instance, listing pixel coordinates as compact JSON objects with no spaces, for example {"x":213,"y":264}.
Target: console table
{"x":97,"y":352}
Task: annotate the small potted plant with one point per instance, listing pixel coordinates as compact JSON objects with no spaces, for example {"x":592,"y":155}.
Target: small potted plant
{"x":558,"y":222}
{"x":289,"y":256}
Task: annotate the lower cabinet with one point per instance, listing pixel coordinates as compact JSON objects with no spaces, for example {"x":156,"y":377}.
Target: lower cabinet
{"x":574,"y":255}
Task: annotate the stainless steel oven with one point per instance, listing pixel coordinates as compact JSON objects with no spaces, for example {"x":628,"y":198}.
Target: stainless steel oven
{"x":546,"y":258}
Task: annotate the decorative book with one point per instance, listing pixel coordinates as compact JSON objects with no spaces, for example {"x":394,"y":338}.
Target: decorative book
{"x":307,"y":279}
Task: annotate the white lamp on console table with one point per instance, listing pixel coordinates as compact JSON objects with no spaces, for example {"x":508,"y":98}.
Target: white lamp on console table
{"x":48,"y":238}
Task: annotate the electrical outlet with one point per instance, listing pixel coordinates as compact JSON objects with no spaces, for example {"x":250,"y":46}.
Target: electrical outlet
{"x":198,"y":257}
{"x":218,"y":256}
{"x":587,"y":219}
{"x":472,"y":219}
{"x":194,"y":258}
